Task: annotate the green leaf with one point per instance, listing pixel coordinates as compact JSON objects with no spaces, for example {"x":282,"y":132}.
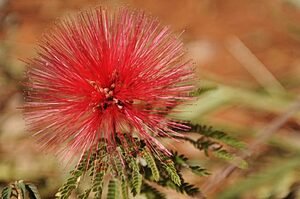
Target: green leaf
{"x":198,"y":170}
{"x":6,"y":192}
{"x":86,"y":161}
{"x":85,"y":194}
{"x":202,"y":90}
{"x":189,"y":189}
{"x":225,"y":155}
{"x":84,"y":164}
{"x":124,"y":188}
{"x":33,"y":191}
{"x":136,"y":182}
{"x":67,"y":188}
{"x":21,"y":185}
{"x":179,"y":159}
{"x":151,"y":164}
{"x":113,"y":191}
{"x":136,"y":177}
{"x":151,"y":192}
{"x":216,"y":134}
{"x":172,"y":172}
{"x":119,"y":168}
{"x":97,"y":182}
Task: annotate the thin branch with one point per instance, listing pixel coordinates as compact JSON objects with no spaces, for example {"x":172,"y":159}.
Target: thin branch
{"x":253,"y":65}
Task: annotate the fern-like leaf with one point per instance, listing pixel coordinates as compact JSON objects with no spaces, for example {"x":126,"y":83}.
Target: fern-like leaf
{"x":97,"y":182}
{"x":124,"y":189}
{"x":151,"y":192}
{"x":206,"y":144}
{"x":33,"y":191}
{"x":65,"y":191}
{"x":6,"y":192}
{"x":85,"y":194}
{"x":20,"y":185}
{"x":198,"y":170}
{"x":225,"y":155}
{"x":113,"y":189}
{"x":202,"y":90}
{"x":216,"y":134}
{"x":151,"y":164}
{"x":136,"y":177}
{"x":189,"y":189}
{"x":172,"y":172}
{"x":136,"y":183}
{"x":179,"y":159}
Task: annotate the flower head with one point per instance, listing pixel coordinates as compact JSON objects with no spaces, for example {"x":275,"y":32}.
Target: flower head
{"x":105,"y":76}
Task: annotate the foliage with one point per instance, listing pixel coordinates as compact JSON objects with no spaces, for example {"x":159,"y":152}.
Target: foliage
{"x":113,"y":191}
{"x":151,"y":192}
{"x":151,"y":164}
{"x":20,"y":190}
{"x":127,"y":172}
{"x":210,"y":132}
{"x":216,"y":142}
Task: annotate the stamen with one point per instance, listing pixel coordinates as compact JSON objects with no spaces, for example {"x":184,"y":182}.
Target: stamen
{"x":95,"y":85}
{"x":106,"y":90}
{"x":109,"y":97}
{"x":119,"y":106}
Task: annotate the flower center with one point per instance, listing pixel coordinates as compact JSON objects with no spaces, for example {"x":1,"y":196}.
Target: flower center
{"x":109,"y":98}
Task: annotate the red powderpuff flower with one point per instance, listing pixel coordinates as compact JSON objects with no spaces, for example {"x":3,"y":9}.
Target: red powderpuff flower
{"x":97,"y":75}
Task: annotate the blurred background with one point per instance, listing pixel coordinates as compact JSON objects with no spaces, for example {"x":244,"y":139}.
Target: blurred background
{"x":247,"y":57}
